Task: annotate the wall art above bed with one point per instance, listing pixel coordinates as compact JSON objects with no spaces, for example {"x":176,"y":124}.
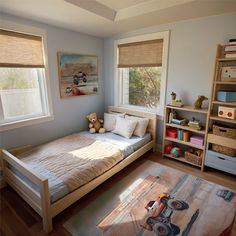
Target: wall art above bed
{"x":78,"y":74}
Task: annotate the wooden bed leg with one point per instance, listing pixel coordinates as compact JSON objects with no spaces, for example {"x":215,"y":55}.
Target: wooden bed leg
{"x":46,"y":209}
{"x":47,"y":225}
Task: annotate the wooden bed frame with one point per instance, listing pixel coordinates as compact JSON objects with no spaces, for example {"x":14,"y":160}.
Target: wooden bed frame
{"x":40,"y":201}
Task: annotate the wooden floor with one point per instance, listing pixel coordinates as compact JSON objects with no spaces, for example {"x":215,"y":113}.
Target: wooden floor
{"x":17,"y":218}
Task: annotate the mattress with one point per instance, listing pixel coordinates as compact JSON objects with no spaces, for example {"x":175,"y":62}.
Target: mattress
{"x":57,"y":187}
{"x":126,"y":145}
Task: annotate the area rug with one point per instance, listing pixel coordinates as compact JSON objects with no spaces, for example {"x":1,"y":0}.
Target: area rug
{"x":157,"y":200}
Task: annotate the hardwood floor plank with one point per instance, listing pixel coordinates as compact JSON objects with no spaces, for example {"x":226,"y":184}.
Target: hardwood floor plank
{"x":20,"y":207}
{"x":13,"y":223}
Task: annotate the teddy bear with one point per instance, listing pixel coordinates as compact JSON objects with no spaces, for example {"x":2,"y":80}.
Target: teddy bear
{"x":198,"y":102}
{"x":95,"y":124}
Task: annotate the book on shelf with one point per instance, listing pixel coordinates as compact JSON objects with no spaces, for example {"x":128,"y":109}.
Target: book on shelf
{"x":178,"y":121}
{"x":232,"y":47}
{"x":233,"y":55}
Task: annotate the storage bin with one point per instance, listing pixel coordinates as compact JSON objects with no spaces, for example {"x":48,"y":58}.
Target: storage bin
{"x":171,"y":132}
{"x":224,"y":131}
{"x":220,"y":162}
{"x":197,"y":160}
{"x":197,"y":140}
{"x":224,"y":150}
{"x":226,"y":96}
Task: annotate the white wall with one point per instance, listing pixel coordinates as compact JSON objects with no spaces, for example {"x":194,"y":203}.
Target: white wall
{"x":191,"y":57}
{"x":69,"y":113}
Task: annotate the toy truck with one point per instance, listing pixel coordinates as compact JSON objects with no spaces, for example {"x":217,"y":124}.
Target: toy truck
{"x":159,"y":214}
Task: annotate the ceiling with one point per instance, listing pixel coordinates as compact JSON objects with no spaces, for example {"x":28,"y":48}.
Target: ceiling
{"x":104,"y":18}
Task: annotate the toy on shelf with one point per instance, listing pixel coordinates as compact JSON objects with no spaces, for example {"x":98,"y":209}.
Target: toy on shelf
{"x":175,"y":152}
{"x":172,"y":115}
{"x":195,"y":124}
{"x":227,"y":112}
{"x":168,"y":148}
{"x":176,"y":102}
{"x":199,"y":101}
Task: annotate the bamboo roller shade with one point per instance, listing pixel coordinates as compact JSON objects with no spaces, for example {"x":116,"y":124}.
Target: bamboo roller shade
{"x":20,"y":50}
{"x":140,"y":54}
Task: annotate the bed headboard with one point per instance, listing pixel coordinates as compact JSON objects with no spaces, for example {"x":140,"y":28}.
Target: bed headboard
{"x":151,"y":116}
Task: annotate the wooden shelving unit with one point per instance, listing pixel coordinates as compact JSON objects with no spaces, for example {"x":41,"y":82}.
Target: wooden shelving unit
{"x":190,"y":110}
{"x":218,"y":84}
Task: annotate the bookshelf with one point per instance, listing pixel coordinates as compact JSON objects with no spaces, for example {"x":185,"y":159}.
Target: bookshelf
{"x":216,"y":159}
{"x":189,"y":111}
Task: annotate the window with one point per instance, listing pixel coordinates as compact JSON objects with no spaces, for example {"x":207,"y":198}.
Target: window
{"x":24,"y":92}
{"x":141,"y":71}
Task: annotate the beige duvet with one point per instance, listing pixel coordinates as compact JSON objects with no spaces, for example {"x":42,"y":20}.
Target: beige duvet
{"x":75,"y":159}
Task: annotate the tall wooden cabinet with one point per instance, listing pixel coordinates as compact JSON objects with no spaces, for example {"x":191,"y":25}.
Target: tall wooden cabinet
{"x":213,"y":158}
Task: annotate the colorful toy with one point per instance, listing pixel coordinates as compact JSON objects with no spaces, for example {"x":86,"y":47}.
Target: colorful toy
{"x":168,"y":148}
{"x":176,"y":152}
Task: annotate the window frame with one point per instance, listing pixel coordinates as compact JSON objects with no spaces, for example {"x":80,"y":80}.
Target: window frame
{"x":118,"y":83}
{"x":47,"y":102}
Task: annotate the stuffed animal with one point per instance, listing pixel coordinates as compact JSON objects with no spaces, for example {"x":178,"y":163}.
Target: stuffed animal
{"x":95,"y":124}
{"x":198,"y":103}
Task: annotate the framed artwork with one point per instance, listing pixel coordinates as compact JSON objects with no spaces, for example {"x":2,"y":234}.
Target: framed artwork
{"x":78,"y":74}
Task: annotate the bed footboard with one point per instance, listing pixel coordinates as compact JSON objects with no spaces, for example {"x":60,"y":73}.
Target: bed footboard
{"x":39,"y":201}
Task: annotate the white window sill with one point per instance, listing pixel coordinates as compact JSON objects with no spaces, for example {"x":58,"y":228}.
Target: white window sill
{"x":26,"y":122}
{"x":144,"y":109}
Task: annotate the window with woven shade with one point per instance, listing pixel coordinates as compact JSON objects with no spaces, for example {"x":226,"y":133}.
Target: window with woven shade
{"x":141,"y":71}
{"x":141,"y":54}
{"x":24,"y":93}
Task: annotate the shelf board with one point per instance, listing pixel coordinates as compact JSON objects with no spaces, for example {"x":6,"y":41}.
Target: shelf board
{"x":182,"y":159}
{"x":220,"y":140}
{"x":175,"y":140}
{"x":225,"y":103}
{"x":188,"y":108}
{"x":225,"y":82}
{"x":215,"y":117}
{"x":186,"y":128}
{"x":227,"y":59}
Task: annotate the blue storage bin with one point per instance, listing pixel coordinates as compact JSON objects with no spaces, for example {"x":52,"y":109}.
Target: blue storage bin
{"x":226,"y":96}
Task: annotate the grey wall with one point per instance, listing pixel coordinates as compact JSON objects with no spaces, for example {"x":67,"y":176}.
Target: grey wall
{"x":192,"y":52}
{"x":69,"y":113}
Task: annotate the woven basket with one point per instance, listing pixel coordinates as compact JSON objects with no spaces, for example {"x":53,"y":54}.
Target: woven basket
{"x":224,"y":131}
{"x":193,"y":158}
{"x":224,"y":150}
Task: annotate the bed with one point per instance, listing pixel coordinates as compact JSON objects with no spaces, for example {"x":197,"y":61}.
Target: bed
{"x":23,"y":168}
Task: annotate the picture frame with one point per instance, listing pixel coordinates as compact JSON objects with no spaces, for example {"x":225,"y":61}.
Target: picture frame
{"x":78,"y":74}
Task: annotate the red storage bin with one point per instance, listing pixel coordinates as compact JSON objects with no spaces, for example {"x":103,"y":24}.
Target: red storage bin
{"x":171,"y":132}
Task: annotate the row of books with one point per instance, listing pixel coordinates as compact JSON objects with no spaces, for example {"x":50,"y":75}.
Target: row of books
{"x":230,"y":49}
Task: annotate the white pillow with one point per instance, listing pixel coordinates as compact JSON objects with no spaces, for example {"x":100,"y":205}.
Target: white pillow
{"x":110,"y":120}
{"x":124,"y":127}
{"x":141,"y":127}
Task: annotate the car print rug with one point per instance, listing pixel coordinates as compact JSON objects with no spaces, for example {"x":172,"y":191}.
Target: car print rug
{"x":158,"y":200}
